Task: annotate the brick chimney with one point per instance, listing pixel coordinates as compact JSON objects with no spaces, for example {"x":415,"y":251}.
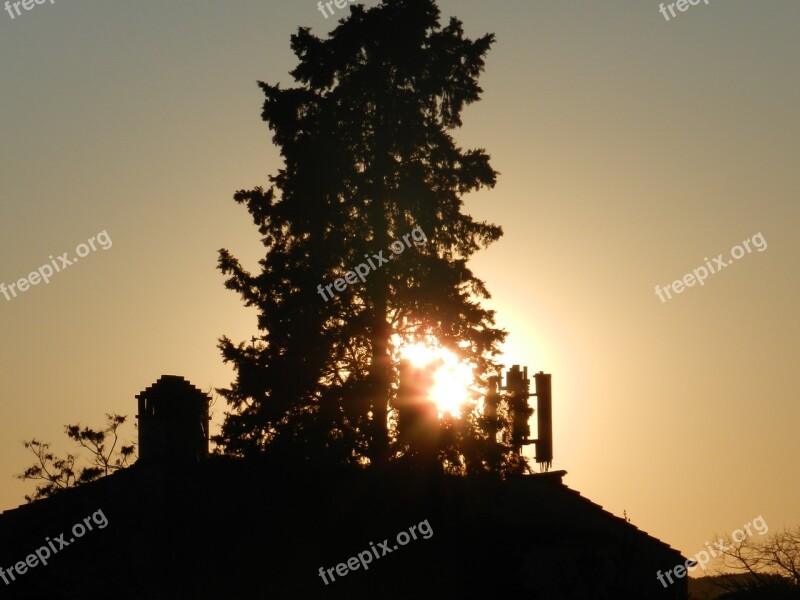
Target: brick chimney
{"x":173,"y":421}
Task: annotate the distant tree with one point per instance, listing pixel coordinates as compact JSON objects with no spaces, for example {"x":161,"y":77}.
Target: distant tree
{"x":61,"y":473}
{"x":368,"y":153}
{"x":773,"y":565}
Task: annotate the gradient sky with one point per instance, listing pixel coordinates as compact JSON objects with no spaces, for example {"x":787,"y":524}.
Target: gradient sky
{"x":629,"y":148}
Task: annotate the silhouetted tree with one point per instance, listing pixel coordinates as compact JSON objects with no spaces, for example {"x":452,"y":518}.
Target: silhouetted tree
{"x":61,"y":473}
{"x":772,"y":563}
{"x":368,"y":153}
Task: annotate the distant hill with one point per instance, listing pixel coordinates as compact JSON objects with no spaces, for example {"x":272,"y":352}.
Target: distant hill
{"x":709,"y":588}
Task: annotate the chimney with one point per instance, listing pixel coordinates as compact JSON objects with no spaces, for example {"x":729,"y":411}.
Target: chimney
{"x":173,"y":421}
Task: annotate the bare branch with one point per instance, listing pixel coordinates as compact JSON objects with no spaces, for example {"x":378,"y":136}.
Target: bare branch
{"x":60,"y":473}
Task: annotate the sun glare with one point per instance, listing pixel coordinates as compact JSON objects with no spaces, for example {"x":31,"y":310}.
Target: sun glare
{"x":452,"y":379}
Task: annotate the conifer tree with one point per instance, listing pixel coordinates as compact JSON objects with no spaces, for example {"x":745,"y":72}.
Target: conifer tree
{"x":366,"y":140}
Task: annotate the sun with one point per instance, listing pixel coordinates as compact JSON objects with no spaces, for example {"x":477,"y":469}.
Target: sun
{"x":451,"y":379}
